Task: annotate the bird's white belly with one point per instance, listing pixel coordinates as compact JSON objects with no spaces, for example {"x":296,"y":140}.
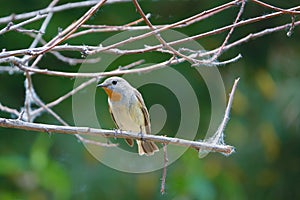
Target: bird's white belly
{"x":124,"y":120}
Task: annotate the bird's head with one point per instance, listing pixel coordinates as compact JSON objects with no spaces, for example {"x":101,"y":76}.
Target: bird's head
{"x":115,"y":87}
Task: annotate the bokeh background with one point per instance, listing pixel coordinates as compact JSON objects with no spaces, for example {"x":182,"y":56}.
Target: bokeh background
{"x":264,"y":124}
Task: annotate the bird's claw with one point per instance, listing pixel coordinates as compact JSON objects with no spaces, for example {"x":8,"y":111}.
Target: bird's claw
{"x":141,"y":135}
{"x":116,"y":131}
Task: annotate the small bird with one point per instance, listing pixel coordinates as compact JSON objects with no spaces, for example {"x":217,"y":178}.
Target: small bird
{"x":128,"y":111}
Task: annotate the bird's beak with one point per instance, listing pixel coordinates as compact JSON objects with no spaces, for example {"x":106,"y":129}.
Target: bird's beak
{"x":102,"y":85}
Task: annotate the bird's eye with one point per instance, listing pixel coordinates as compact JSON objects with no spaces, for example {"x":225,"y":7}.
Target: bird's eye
{"x":114,"y":82}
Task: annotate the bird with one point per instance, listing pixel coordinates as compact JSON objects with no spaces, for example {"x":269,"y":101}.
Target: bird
{"x":129,"y":113}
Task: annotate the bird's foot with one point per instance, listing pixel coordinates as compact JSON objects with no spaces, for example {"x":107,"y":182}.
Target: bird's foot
{"x":116,"y":132}
{"x":141,"y":135}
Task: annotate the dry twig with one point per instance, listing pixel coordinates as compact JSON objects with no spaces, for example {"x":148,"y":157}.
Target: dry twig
{"x":164,"y":175}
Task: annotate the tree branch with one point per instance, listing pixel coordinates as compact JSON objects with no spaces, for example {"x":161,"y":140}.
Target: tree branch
{"x":55,"y":9}
{"x":48,"y":128}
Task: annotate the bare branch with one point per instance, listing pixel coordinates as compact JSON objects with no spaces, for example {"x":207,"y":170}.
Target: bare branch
{"x":219,"y":52}
{"x":10,"y":70}
{"x":72,"y":28}
{"x":60,"y":8}
{"x":11,"y":27}
{"x":164,"y":175}
{"x":159,"y":38}
{"x":288,"y":11}
{"x":62,"y":98}
{"x":48,"y":128}
{"x":44,"y":25}
{"x":91,"y":75}
{"x":218,"y":137}
{"x":9,"y":110}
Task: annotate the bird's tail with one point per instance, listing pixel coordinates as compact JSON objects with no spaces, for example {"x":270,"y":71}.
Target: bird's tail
{"x":146,"y":147}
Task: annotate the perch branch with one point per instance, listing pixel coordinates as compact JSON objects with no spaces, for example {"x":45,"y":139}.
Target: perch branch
{"x":48,"y":128}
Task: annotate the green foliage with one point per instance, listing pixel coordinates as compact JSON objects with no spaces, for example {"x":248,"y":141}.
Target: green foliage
{"x":34,"y":177}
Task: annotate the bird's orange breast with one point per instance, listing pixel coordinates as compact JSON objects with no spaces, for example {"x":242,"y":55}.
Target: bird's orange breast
{"x":113,"y":96}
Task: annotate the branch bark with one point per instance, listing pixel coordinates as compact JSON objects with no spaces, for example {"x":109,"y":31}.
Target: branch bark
{"x":48,"y":128}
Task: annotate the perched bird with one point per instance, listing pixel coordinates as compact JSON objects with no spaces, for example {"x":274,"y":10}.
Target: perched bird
{"x":128,"y":111}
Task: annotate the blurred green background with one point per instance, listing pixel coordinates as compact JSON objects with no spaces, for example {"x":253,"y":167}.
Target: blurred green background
{"x":264,"y":125}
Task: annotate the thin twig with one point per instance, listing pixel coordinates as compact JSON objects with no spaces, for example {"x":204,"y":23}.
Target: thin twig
{"x":101,"y":144}
{"x":131,"y":65}
{"x":285,"y":11}
{"x":219,"y":52}
{"x":138,"y":21}
{"x":105,"y":28}
{"x":38,"y":37}
{"x":290,"y":32}
{"x":10,"y":70}
{"x":164,"y":175}
{"x":13,"y":27}
{"x":62,"y":36}
{"x":229,"y":104}
{"x":62,"y":98}
{"x":218,"y":137}
{"x":55,"y":9}
{"x":99,"y":74}
{"x":28,"y":98}
{"x":59,"y":56}
{"x":9,"y":110}
{"x":160,"y":39}
{"x":44,"y":25}
{"x":28,"y":31}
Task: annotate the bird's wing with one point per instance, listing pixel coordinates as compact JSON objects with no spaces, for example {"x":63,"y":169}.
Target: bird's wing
{"x":144,"y":111}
